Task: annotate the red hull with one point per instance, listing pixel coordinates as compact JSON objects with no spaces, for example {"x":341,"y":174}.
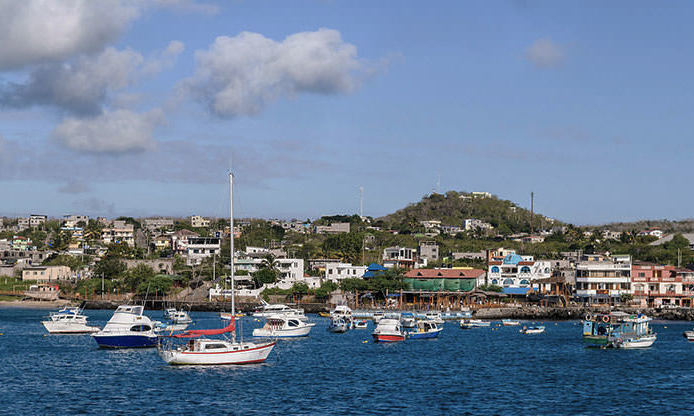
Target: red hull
{"x":388,"y":338}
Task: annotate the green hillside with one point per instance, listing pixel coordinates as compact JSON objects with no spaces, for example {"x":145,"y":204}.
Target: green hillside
{"x":453,"y":207}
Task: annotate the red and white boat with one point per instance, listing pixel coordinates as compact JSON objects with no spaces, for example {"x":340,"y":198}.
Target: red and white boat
{"x":388,"y":330}
{"x":207,"y":351}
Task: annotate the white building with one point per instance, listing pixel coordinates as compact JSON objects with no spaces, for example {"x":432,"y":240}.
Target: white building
{"x":199,"y":248}
{"x":601,"y":279}
{"x":197,"y":221}
{"x":334,"y":228}
{"x":118,"y":232}
{"x":290,"y":271}
{"x":429,"y":250}
{"x":37,"y":220}
{"x":154,"y":224}
{"x":470,"y":224}
{"x":338,"y":271}
{"x":71,"y":221}
{"x":517,"y":272}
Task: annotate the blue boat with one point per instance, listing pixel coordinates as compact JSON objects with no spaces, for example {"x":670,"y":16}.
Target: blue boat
{"x":127,"y":328}
{"x":425,"y":330}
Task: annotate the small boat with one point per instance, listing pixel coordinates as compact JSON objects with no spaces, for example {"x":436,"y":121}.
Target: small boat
{"x":407,"y":319}
{"x":510,"y":322}
{"x":473,"y":323}
{"x":689,"y":335}
{"x":324,"y":314}
{"x":532,"y":330}
{"x":425,"y":329}
{"x":434,"y":316}
{"x":267,"y":310}
{"x":161,"y":327}
{"x":618,"y":330}
{"x":361,"y":324}
{"x":338,"y":325}
{"x":68,"y":320}
{"x":388,"y":330}
{"x":227,"y":315}
{"x":180,"y":317}
{"x":377,"y":316}
{"x":281,"y":326}
{"x":127,"y":328}
{"x":342,"y":311}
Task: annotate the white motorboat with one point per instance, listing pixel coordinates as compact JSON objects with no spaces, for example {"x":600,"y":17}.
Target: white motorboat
{"x":361,"y":324}
{"x":267,"y":310}
{"x":388,"y":330}
{"x":474,"y":323}
{"x":339,"y":324}
{"x":341,"y":311}
{"x":207,"y":351}
{"x":162,"y":327}
{"x":127,"y":328}
{"x":281,"y":326}
{"x":530,"y":330}
{"x":180,"y":317}
{"x":636,"y":342}
{"x":408,"y":319}
{"x":68,"y":320}
{"x":510,"y":322}
{"x":689,"y":335}
{"x":425,"y":329}
{"x":434,"y":316}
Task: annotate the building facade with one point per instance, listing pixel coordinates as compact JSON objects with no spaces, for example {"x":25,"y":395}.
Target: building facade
{"x":602,"y":279}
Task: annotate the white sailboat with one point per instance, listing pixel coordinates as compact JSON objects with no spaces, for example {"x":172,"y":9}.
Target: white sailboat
{"x":207,"y":351}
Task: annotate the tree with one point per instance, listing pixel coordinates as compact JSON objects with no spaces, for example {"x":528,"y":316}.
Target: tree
{"x":109,"y":267}
{"x":264,"y":276}
{"x":156,"y":285}
{"x":135,"y":276}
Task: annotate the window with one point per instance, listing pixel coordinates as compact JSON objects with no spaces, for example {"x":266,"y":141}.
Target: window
{"x":140,"y":328}
{"x":524,"y":282}
{"x":293,"y":323}
{"x":214,"y":346}
{"x":495,"y":269}
{"x":525,"y":269}
{"x":642,"y":274}
{"x":495,"y":282}
{"x":508,"y":282}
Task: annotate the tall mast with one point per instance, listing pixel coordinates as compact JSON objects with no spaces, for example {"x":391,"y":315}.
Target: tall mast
{"x":231,"y":244}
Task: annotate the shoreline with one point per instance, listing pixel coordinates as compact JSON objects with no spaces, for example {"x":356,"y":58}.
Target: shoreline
{"x":33,"y":304}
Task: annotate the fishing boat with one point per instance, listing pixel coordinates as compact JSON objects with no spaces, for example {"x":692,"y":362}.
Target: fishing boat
{"x":388,"y":330}
{"x":618,"y":330}
{"x":473,"y":323}
{"x":425,"y":329}
{"x":530,"y":330}
{"x":127,"y":328}
{"x":209,"y":351}
{"x":342,"y":311}
{"x":434,"y":316}
{"x":68,"y":320}
{"x":408,"y":319}
{"x":510,"y":322}
{"x":338,"y":325}
{"x":361,"y":324}
{"x":281,"y":326}
{"x":689,"y":335}
{"x":324,"y":314}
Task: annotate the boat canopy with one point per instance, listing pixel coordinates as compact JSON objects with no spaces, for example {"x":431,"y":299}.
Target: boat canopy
{"x":193,"y":333}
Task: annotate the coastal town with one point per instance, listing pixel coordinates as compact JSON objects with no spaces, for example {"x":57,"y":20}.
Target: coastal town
{"x":418,"y":263}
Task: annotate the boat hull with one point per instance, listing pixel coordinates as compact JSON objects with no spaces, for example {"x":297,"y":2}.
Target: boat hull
{"x":125,"y":341}
{"x":283,"y":333}
{"x":68,"y":329}
{"x":424,"y":335}
{"x":642,"y":342}
{"x":254,"y":355}
{"x":388,"y":338}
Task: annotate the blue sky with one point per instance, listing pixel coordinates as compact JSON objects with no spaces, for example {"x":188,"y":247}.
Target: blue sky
{"x":140,"y":108}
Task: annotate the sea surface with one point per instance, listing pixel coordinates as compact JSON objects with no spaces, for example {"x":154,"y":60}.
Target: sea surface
{"x":493,"y":370}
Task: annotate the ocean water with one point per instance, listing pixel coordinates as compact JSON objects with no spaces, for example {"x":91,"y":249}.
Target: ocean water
{"x":464,"y":372}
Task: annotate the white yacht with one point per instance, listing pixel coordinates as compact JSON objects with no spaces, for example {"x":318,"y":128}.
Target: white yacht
{"x":68,"y":320}
{"x":434,"y":316}
{"x":127,"y":328}
{"x":282,"y":326}
{"x":267,"y":310}
{"x":180,"y":317}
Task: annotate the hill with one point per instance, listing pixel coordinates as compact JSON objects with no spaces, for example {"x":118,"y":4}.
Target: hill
{"x":453,"y":207}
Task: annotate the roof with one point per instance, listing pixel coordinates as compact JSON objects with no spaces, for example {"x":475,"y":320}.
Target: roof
{"x":512,"y":259}
{"x":515,"y":290}
{"x":444,"y":273}
{"x":376,"y":267}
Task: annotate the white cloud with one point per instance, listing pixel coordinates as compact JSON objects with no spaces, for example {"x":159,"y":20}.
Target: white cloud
{"x":164,"y":59}
{"x":544,"y":53}
{"x":80,"y":87}
{"x":39,"y":31}
{"x":119,"y":131}
{"x":241,"y":75}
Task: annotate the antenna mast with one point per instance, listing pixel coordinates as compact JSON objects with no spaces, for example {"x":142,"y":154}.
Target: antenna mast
{"x":532,"y":212}
{"x":231,"y":248}
{"x":361,"y":202}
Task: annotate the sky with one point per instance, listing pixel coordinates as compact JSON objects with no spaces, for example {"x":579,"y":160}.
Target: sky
{"x":140,"y":108}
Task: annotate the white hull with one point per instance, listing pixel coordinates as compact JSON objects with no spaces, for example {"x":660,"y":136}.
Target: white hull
{"x":57,"y":327}
{"x":689,"y":335}
{"x":283,"y":333}
{"x":171,"y":328}
{"x":643,"y":342}
{"x":238,"y":353}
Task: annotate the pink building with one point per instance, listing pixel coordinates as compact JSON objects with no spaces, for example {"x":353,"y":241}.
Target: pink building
{"x":655,"y":285}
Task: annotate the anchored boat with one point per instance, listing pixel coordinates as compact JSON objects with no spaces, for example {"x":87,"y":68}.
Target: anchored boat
{"x":618,"y":330}
{"x":425,"y":329}
{"x":127,"y":328}
{"x":530,"y":330}
{"x":281,"y":326}
{"x":68,"y":320}
{"x":388,"y":330}
{"x":473,"y":323}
